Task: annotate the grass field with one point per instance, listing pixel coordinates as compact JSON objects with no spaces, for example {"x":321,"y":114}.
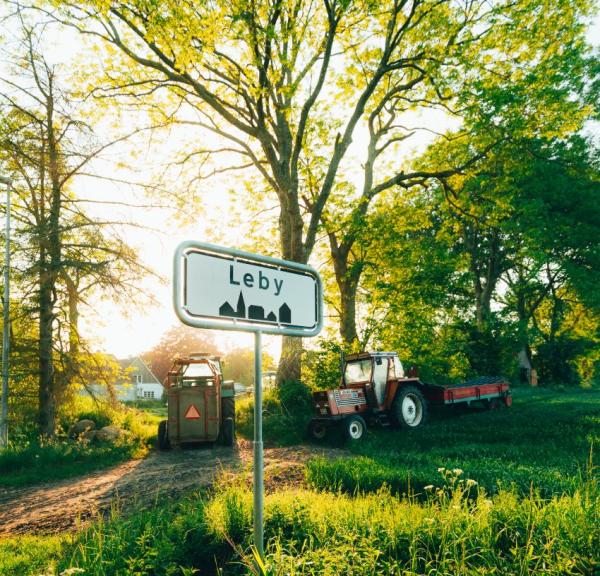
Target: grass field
{"x":543,"y":440}
{"x":517,"y":493}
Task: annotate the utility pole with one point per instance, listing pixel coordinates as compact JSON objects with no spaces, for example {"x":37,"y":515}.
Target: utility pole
{"x":6,"y":326}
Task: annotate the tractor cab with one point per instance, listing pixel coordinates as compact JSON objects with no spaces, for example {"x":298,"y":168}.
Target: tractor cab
{"x":372,"y":371}
{"x":196,"y":370}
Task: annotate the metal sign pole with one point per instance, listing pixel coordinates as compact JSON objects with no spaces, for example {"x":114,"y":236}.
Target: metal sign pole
{"x":258,"y":448}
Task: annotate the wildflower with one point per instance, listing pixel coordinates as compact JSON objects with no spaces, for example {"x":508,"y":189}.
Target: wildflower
{"x":457,"y":471}
{"x":441,"y":470}
{"x":471,"y":482}
{"x":429,"y":487}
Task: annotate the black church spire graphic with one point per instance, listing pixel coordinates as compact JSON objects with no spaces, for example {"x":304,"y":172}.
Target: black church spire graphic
{"x":255,"y":312}
{"x":239,"y":312}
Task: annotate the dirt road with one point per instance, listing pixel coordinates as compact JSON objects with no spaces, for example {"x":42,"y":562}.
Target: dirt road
{"x":63,"y":505}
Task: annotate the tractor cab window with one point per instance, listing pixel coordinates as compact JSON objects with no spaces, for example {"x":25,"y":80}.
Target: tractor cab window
{"x":398,"y":368}
{"x":196,"y":375}
{"x":198,"y":371}
{"x":358,"y":371}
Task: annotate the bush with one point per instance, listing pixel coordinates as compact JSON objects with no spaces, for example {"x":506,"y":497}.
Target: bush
{"x":556,"y":360}
{"x":30,"y":459}
{"x":287,"y":410}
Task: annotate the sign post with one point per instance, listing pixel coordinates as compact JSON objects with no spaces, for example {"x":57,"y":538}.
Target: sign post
{"x":229,"y":289}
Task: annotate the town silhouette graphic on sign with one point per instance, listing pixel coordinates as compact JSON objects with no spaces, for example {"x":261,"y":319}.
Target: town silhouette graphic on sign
{"x":255,"y":312}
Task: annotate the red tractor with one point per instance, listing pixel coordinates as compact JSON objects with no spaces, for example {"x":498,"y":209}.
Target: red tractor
{"x":375,"y":389}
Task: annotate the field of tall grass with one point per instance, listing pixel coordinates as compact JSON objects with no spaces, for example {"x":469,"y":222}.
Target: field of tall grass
{"x":543,"y":440}
{"x":457,"y":529}
{"x":514,"y":492}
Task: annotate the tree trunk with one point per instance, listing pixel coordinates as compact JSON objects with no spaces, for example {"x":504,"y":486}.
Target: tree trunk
{"x":50,"y":261}
{"x":348,"y":330}
{"x":289,"y":369}
{"x":47,"y":403}
{"x":290,"y":230}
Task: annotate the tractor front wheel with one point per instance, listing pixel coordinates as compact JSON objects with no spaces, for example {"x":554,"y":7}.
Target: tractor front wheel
{"x":163,"y":436}
{"x":410,"y":408}
{"x":355,"y":428}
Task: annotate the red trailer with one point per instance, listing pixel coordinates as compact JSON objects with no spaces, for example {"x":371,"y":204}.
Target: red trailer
{"x":375,"y":389}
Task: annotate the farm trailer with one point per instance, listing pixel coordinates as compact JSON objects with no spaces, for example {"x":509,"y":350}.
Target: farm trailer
{"x":374,"y":389}
{"x":200,"y":405}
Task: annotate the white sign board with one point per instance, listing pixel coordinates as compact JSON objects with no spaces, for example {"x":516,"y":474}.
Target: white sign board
{"x":228,"y":289}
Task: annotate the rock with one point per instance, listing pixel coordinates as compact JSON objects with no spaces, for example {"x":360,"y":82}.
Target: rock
{"x":81,"y":427}
{"x":108,"y":434}
{"x":89,"y":435}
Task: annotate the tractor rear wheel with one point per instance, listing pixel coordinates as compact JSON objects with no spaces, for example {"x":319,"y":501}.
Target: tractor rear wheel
{"x":163,"y":436}
{"x":317,"y":430}
{"x":355,"y":428}
{"x":410,"y":408}
{"x":228,"y":432}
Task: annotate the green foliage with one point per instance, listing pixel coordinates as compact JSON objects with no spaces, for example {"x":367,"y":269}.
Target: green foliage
{"x":238,"y":365}
{"x":31,"y":459}
{"x":30,"y":555}
{"x":286,"y":413}
{"x":555,"y":359}
{"x":494,"y":448}
{"x":457,"y":529}
{"x":321,"y":367}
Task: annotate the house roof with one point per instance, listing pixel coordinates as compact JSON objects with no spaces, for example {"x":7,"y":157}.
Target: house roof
{"x":140,"y":367}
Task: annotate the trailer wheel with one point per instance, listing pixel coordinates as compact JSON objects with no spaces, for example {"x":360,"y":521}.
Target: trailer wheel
{"x":163,"y":436}
{"x":355,"y":428}
{"x":410,"y":408}
{"x":317,"y":430}
{"x":494,"y":404}
{"x":227,"y":408}
{"x":228,"y":432}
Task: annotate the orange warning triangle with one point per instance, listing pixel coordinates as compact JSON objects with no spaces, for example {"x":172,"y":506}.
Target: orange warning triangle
{"x":192,"y":413}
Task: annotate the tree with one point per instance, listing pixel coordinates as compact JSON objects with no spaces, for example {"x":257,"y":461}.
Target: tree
{"x":181,"y":341}
{"x":261,"y":77}
{"x":238,"y":365}
{"x":61,"y":251}
{"x":543,"y":92}
{"x":501,"y":259}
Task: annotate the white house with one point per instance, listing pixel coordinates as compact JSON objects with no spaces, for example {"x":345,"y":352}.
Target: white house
{"x":139,"y":383}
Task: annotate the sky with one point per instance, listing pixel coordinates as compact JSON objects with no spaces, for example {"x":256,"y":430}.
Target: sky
{"x":133,"y":327}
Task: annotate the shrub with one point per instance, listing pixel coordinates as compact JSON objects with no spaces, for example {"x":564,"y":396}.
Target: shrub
{"x":286,"y":412}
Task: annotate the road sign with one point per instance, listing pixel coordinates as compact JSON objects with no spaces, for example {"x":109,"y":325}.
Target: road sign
{"x":192,"y":413}
{"x":228,"y":289}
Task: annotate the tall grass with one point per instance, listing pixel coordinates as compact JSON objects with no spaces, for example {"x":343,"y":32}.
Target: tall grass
{"x":457,"y":529}
{"x":30,"y":459}
{"x":286,"y":413}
